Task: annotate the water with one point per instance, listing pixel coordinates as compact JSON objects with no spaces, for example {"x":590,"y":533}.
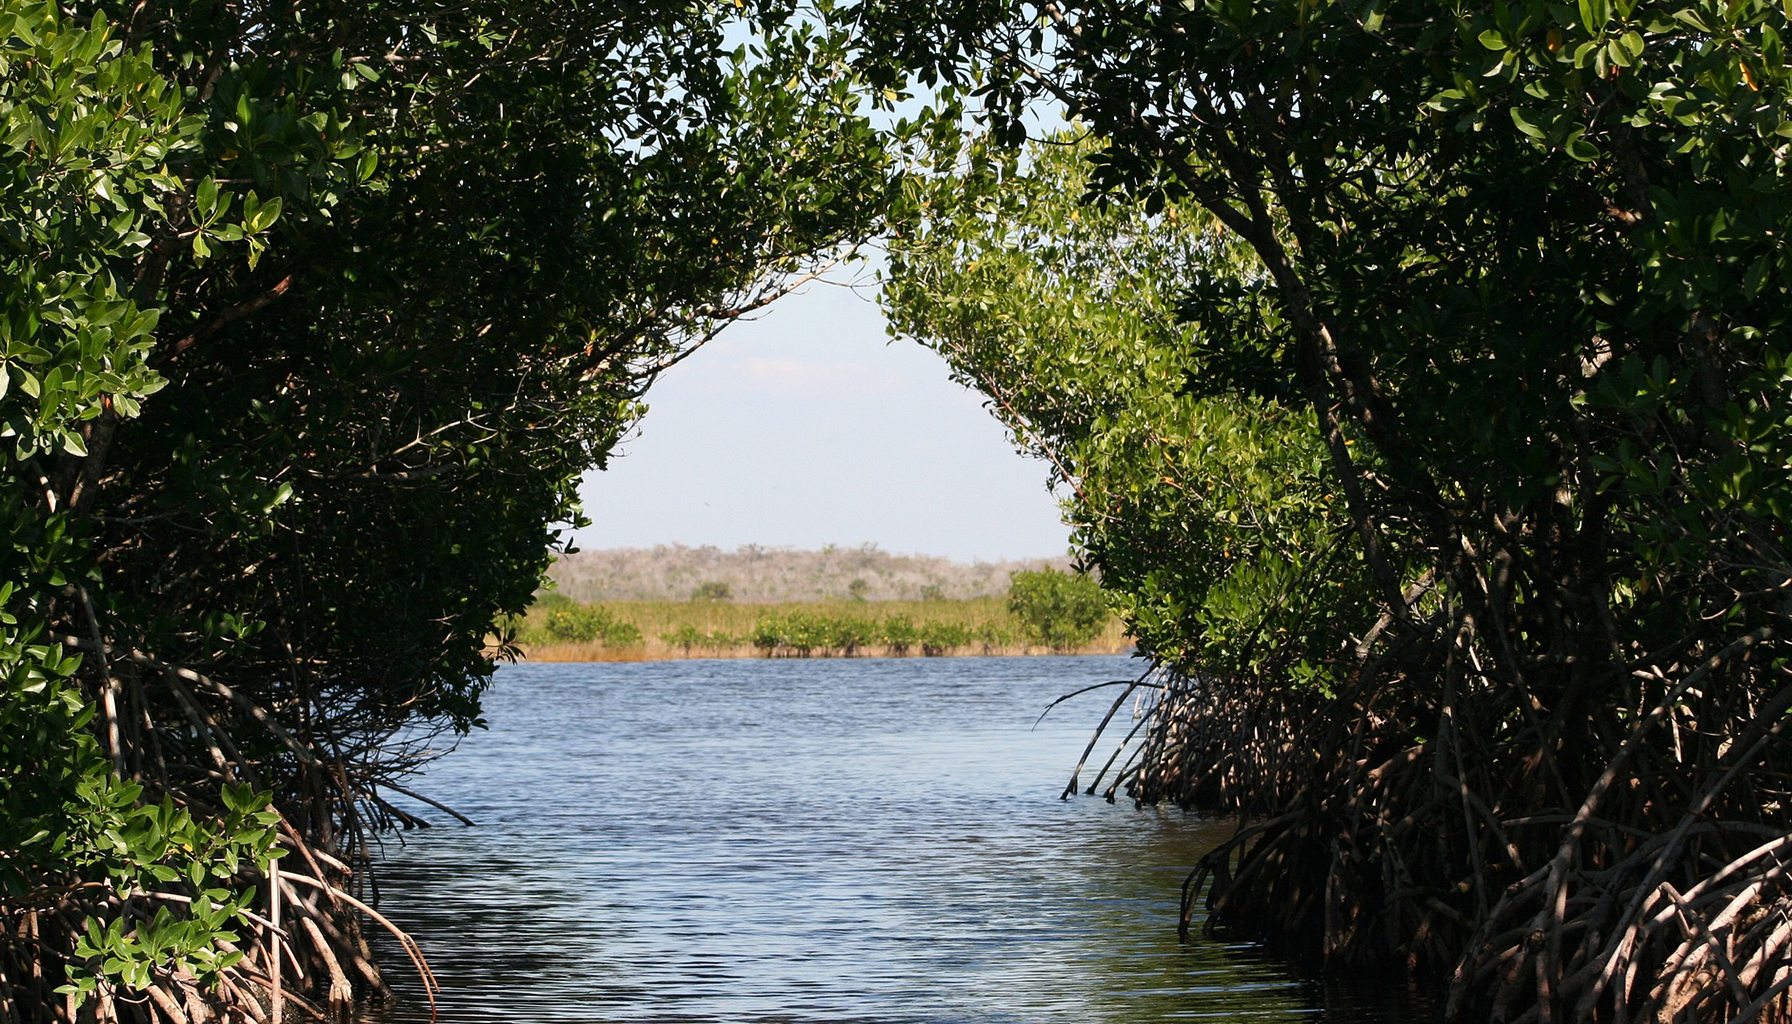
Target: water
{"x":810,"y":841}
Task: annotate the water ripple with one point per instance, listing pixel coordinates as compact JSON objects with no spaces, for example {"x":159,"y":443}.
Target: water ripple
{"x":874,"y":841}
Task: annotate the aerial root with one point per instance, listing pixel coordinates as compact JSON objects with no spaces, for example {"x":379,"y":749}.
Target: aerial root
{"x":328,"y":966}
{"x":1664,"y":894}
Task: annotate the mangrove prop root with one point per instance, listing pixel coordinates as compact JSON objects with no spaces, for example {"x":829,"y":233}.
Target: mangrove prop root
{"x":329,"y":969}
{"x":1536,"y":854}
{"x":303,"y":957}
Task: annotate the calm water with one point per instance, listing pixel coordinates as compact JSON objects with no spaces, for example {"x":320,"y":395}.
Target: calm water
{"x":810,"y":841}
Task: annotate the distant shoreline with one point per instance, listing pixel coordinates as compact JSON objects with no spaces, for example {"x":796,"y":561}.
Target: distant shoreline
{"x":567,"y":653}
{"x":556,"y":629}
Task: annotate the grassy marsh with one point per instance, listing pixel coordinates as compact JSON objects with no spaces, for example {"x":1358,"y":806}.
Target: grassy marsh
{"x":557,"y":629}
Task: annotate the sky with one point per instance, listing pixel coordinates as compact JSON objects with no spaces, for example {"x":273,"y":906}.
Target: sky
{"x":808,"y":427}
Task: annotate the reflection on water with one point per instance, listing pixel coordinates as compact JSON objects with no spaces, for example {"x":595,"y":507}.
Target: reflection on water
{"x":815,"y":841}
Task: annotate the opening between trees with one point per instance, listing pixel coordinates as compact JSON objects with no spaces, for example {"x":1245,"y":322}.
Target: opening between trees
{"x":1418,"y":375}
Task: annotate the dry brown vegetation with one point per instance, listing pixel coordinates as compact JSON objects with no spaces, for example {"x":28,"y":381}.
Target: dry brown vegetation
{"x":757,"y":574}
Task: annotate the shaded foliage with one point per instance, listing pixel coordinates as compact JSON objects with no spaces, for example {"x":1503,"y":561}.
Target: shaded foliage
{"x":1519,"y":268}
{"x":314,"y":314}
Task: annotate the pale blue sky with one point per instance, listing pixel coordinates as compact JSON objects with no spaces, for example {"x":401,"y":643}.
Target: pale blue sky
{"x":808,"y":427}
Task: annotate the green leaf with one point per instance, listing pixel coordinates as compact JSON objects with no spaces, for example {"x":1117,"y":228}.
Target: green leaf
{"x":264,"y":217}
{"x":1579,"y":148}
{"x":1373,"y":15}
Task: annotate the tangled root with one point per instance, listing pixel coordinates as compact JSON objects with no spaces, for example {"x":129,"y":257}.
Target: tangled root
{"x":1600,"y":860}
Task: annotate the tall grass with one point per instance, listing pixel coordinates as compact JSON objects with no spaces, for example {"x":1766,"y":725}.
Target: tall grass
{"x":653,"y":630}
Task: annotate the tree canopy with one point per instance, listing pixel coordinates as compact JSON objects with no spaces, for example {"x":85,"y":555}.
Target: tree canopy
{"x":1519,"y":267}
{"x":1205,"y":508}
{"x":314,"y":314}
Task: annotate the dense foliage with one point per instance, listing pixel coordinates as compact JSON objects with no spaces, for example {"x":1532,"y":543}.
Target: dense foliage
{"x":1206,"y":510}
{"x":1520,"y":267}
{"x":313,"y":315}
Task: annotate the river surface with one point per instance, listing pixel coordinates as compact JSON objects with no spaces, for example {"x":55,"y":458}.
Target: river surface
{"x":866,"y":840}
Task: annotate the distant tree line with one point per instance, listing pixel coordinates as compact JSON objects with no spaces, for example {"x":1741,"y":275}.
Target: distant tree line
{"x":769,"y":574}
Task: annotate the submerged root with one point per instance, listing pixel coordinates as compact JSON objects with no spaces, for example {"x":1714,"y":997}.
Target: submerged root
{"x":298,"y":951}
{"x":325,"y":968}
{"x":1625,"y":861}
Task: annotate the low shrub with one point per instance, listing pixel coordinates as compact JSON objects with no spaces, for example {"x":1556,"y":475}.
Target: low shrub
{"x":1060,"y":610}
{"x":941,"y":638}
{"x":588,"y":624}
{"x":898,"y":633}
